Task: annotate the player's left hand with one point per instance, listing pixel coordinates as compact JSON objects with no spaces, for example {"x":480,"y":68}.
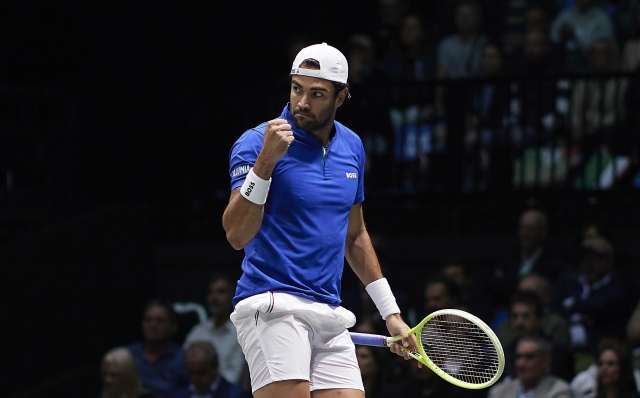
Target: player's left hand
{"x":397,"y":327}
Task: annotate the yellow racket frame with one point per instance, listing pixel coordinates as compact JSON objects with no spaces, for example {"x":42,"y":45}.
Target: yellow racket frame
{"x":425,"y":360}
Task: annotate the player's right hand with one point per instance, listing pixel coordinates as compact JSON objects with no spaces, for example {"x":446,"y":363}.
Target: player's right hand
{"x":277,"y":138}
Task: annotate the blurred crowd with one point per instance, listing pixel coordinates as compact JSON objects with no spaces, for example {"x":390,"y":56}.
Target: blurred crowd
{"x":504,"y":82}
{"x":568,"y":328}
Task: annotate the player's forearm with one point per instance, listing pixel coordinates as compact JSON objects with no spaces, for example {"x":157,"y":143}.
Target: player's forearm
{"x":362,"y":258}
{"x":241,"y":220}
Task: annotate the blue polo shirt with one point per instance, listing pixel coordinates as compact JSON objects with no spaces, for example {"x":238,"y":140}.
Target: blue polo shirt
{"x":299,"y":248}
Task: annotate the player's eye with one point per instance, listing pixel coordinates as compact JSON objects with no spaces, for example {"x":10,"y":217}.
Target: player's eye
{"x":317,"y":94}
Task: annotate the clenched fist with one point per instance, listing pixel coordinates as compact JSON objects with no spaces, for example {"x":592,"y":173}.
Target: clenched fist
{"x":277,"y":138}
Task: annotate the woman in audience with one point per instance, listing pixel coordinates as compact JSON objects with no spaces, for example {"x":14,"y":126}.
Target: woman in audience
{"x":611,"y":377}
{"x":120,"y":377}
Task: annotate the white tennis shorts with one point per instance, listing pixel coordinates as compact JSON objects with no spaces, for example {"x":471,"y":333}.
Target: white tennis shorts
{"x":285,"y":337}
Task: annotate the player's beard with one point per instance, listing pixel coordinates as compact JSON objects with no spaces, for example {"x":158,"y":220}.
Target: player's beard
{"x":313,"y":122}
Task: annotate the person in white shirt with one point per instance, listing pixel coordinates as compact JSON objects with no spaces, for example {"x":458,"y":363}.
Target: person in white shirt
{"x":219,"y":330}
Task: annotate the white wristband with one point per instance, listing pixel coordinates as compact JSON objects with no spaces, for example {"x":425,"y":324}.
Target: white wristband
{"x":255,"y":189}
{"x":383,"y":297}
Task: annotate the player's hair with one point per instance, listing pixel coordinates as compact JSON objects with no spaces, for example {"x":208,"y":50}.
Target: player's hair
{"x":311,"y":63}
{"x":209,"y":351}
{"x":163,"y":303}
{"x":529,"y":298}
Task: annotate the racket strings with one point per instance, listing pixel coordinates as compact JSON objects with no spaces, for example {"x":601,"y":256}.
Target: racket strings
{"x":460,"y":348}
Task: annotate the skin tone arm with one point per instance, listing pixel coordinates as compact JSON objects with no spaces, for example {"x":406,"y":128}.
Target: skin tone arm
{"x":242,"y":219}
{"x":364,"y":262}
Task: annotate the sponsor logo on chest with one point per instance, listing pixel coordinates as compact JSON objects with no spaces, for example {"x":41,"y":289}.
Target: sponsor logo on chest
{"x":351,"y":175}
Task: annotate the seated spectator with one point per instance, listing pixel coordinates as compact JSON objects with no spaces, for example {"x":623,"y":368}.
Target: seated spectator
{"x":521,"y":17}
{"x":554,"y":325}
{"x":459,"y":54}
{"x":120,"y":377}
{"x":578,"y":27}
{"x":219,"y":330}
{"x":532,"y":363}
{"x":411,"y":58}
{"x":204,"y":376}
{"x":160,"y":361}
{"x":472,"y":295}
{"x":532,"y":256}
{"x":537,"y":57}
{"x":373,"y":364}
{"x":631,"y":51}
{"x":526,"y":319}
{"x":440,"y":293}
{"x":612,"y":377}
{"x":594,"y":303}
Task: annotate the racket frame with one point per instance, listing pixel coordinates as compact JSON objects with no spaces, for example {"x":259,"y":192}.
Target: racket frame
{"x":423,"y":358}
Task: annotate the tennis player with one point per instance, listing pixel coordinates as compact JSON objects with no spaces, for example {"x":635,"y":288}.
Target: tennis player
{"x":295,"y":209}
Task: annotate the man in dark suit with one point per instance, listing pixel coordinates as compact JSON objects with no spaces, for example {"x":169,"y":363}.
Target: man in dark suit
{"x":202,"y":363}
{"x":532,"y":257}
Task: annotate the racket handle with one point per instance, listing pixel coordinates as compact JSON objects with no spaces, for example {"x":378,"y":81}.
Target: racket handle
{"x":375,"y":340}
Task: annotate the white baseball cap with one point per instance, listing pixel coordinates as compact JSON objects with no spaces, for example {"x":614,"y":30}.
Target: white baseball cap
{"x":333,"y":65}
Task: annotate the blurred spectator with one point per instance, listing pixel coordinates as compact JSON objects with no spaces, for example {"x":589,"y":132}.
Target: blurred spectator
{"x":369,"y":89}
{"x":598,"y":113}
{"x":521,"y":17}
{"x":423,"y":382}
{"x":631,"y":51}
{"x":526,"y":319}
{"x":486,"y":119}
{"x":532,"y":256}
{"x":390,"y":14}
{"x":459,"y":55}
{"x":472,"y":295}
{"x":594,"y":303}
{"x":120,"y":377}
{"x":440,"y":293}
{"x":411,"y":58}
{"x":537,"y":57}
{"x":578,"y":27}
{"x":204,"y":376}
{"x":554,"y":326}
{"x":612,"y":377}
{"x":219,"y":330}
{"x":160,"y":361}
{"x":532,"y":362}
{"x":373,"y":364}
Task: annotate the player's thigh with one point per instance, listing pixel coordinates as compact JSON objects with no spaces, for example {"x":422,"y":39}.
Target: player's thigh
{"x":337,"y":393}
{"x":334,"y":365}
{"x":284,"y":389}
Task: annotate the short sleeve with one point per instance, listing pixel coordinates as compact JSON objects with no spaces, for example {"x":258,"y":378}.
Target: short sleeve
{"x":243,"y":155}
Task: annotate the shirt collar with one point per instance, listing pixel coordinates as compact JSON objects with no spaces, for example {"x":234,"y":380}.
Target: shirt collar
{"x":302,"y":135}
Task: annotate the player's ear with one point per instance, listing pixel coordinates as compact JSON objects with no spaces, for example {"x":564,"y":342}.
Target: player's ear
{"x":342,"y":95}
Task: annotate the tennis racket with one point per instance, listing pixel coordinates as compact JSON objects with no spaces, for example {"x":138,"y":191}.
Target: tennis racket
{"x":456,"y":345}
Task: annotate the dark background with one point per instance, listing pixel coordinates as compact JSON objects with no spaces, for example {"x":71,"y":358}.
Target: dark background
{"x":116,"y":122}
